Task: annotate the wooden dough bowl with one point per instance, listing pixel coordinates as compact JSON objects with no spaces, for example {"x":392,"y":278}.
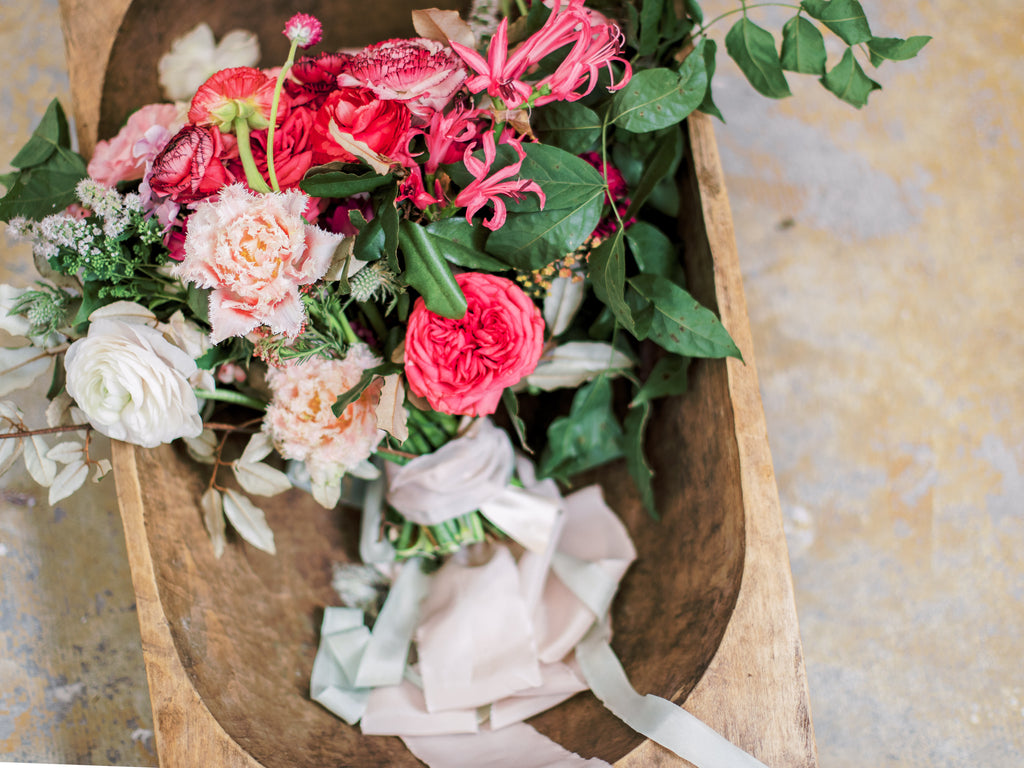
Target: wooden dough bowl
{"x":705,"y":617}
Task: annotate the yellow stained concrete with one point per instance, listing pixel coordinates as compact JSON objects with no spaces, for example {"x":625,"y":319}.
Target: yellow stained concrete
{"x":883,"y":261}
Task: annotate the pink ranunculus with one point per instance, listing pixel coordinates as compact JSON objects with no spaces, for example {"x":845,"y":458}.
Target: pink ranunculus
{"x":300,"y":422}
{"x":255,"y":251}
{"x":462,"y":366}
{"x":423,"y":74}
{"x":357,"y":114}
{"x":113,"y":161}
{"x":242,"y":92}
{"x":190,"y":167}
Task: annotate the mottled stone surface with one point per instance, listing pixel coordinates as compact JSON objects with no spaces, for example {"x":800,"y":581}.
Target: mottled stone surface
{"x":883,"y":261}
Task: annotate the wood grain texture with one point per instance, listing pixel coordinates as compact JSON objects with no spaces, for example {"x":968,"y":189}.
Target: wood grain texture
{"x":705,"y":617}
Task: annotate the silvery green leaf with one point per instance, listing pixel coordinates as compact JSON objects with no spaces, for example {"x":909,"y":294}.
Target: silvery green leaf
{"x":11,"y":412}
{"x":203,"y":447}
{"x":58,"y":412}
{"x":327,"y":493}
{"x":67,"y":452}
{"x":249,"y":521}
{"x":570,"y":365}
{"x":124,"y":311}
{"x":212,"y":505}
{"x":103,"y":466}
{"x":16,"y":325}
{"x":68,"y":480}
{"x":260,"y":479}
{"x":10,"y":450}
{"x":20,"y":367}
{"x":257,"y":449}
{"x":562,"y":303}
{"x":40,"y":468}
{"x":364,"y":470}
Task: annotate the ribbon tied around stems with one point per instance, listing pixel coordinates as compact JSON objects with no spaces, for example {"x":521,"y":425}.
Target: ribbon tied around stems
{"x":498,"y":637}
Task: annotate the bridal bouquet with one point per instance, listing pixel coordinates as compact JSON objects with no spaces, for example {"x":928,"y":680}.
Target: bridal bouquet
{"x":444,"y":267}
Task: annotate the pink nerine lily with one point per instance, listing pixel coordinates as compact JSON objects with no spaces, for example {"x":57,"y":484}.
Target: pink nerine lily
{"x":594,"y":46}
{"x":485,"y":190}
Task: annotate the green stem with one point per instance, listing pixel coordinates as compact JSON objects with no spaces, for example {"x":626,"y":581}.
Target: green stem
{"x":273,"y":116}
{"x":743,"y":9}
{"x":374,"y":318}
{"x":346,"y":329}
{"x":521,"y":5}
{"x":230,"y":396}
{"x":252,"y":173}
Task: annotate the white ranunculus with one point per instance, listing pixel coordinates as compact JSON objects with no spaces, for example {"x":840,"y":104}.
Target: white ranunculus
{"x":133,"y":384}
{"x":196,"y":55}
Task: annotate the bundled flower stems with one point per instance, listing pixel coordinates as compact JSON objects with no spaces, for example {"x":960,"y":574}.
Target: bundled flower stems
{"x":358,"y":274}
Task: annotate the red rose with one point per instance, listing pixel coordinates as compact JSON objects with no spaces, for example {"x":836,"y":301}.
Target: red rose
{"x":462,"y":366}
{"x":357,"y":113}
{"x":293,"y":149}
{"x":189,"y":168}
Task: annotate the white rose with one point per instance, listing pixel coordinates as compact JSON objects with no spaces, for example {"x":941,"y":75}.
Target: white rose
{"x":133,"y":384}
{"x":196,"y":55}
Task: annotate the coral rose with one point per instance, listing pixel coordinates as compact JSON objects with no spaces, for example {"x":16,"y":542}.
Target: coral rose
{"x":254,"y":251}
{"x":462,"y":366}
{"x":355,"y":114}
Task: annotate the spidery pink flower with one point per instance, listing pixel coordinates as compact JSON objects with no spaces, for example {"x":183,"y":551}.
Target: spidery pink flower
{"x":486,"y":189}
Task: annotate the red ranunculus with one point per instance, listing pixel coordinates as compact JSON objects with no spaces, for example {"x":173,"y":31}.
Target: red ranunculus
{"x":293,"y":149}
{"x":462,"y":366}
{"x":312,"y":78}
{"x":189,"y":168}
{"x":239,"y":92}
{"x":357,"y":113}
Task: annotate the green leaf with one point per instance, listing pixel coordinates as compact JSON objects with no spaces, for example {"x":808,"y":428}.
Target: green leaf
{"x":463,"y":244}
{"x":844,"y":17}
{"x":653,"y":251}
{"x":387,"y":212}
{"x":59,"y":378}
{"x":895,"y":49}
{"x":428,"y":272}
{"x":668,"y":377}
{"x":43,"y":190}
{"x":848,"y":81}
{"x":650,"y":21}
{"x":636,"y":462}
{"x":661,"y":166}
{"x":347,"y":398}
{"x":708,"y":48}
{"x":340,"y":184}
{"x":568,"y":125}
{"x":198,"y":300}
{"x":693,"y":8}
{"x":753,"y":49}
{"x":91,"y":301}
{"x":657,"y":98}
{"x":568,"y":181}
{"x":588,"y":437}
{"x":680,"y":324}
{"x":508,"y":398}
{"x":369,"y":244}
{"x":608,"y":279}
{"x":803,"y":47}
{"x":529,"y":241}
{"x":51,"y":133}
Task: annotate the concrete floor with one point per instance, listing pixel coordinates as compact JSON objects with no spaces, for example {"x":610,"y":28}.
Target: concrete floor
{"x":883,"y":264}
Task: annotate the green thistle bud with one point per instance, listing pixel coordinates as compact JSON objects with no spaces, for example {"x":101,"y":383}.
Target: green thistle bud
{"x":373,"y":280}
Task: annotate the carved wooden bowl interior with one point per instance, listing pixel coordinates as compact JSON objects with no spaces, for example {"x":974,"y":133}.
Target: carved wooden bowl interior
{"x":245,"y":627}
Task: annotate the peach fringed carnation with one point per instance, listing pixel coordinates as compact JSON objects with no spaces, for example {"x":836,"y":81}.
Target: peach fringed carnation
{"x":462,"y":366}
{"x":299,"y":418}
{"x":254,"y":251}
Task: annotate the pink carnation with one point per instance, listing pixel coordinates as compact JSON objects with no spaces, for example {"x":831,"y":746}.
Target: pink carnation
{"x":300,"y":422}
{"x":115,"y":160}
{"x":422,"y":74}
{"x":462,"y":366}
{"x":254,"y":251}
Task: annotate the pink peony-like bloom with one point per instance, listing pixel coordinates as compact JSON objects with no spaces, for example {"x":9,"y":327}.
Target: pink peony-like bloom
{"x":304,"y":30}
{"x":299,"y":418}
{"x":239,"y":92}
{"x":255,"y":251}
{"x":463,"y":366}
{"x":115,"y":160}
{"x":422,"y":74}
{"x":355,"y":114}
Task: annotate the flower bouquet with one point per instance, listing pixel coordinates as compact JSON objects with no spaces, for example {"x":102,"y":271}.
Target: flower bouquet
{"x":437,"y":279}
